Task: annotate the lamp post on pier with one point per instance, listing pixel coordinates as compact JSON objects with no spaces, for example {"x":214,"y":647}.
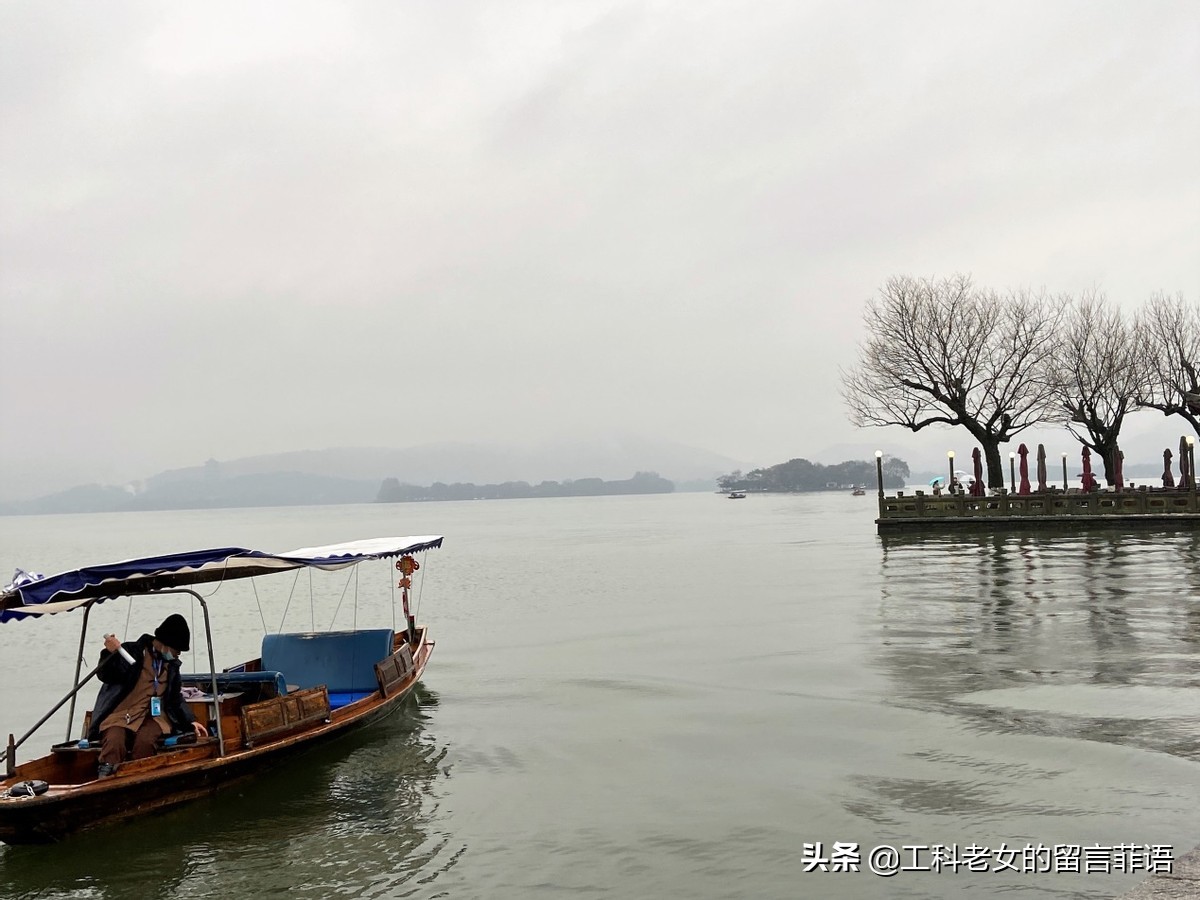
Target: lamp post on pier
{"x":1012,"y":472}
{"x":1064,"y":471}
{"x":950,"y":483}
{"x":879,"y":471}
{"x":1191,"y":444}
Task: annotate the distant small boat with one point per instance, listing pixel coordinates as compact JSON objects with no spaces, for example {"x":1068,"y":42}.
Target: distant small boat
{"x":859,"y":492}
{"x":737,"y":495}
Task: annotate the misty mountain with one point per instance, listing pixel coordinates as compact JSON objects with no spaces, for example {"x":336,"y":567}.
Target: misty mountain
{"x":607,"y":458}
{"x":211,"y":492}
{"x":354,"y":475}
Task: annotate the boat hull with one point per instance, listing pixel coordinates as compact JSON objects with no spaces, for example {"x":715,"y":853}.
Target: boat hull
{"x":172,"y":779}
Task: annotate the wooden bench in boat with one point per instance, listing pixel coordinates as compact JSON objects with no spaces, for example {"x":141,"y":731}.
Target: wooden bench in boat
{"x":281,"y":716}
{"x":342,"y":661}
{"x":393,"y":671}
{"x":323,"y":671}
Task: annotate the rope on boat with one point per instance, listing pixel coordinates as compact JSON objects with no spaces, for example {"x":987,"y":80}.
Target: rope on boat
{"x":345,"y":587}
{"x":212,"y":593}
{"x":393,"y":583}
{"x":259,"y":602}
{"x":220,"y":581}
{"x":421,"y":586}
{"x":283,"y":618}
{"x":312,"y":603}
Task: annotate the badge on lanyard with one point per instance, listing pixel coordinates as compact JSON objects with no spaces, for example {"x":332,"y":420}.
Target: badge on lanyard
{"x":156,"y":706}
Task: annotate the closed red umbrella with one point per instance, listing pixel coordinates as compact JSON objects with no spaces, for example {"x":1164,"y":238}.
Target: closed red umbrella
{"x":1118,"y":469}
{"x":1023,"y":452}
{"x":1168,"y":478}
{"x":977,"y":485}
{"x":1041,"y":468}
{"x":1089,"y":480}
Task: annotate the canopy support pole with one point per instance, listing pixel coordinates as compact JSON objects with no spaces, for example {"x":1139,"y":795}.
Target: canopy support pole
{"x":212,"y":663}
{"x":87,"y":611}
{"x":212,"y":670}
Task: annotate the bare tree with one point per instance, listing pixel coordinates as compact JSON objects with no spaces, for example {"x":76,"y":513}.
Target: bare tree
{"x":1100,"y":374}
{"x":1169,"y":336}
{"x":941,"y":352}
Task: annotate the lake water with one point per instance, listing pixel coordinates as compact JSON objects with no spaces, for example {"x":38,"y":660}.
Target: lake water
{"x":666,"y":697}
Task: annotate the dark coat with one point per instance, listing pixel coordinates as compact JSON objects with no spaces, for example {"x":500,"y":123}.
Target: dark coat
{"x":119,"y":678}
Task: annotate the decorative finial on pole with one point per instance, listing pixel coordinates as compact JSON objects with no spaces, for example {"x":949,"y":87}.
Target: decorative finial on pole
{"x":406,"y":565}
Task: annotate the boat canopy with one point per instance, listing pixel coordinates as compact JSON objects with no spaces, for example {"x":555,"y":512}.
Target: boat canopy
{"x":33,"y":595}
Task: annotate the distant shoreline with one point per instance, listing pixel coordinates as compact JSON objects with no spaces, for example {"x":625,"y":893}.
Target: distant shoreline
{"x":296,"y":489}
{"x":392,"y":491}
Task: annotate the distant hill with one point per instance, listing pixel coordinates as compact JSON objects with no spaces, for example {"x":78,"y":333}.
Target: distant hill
{"x":354,"y":475}
{"x":798,"y":475}
{"x":267,"y":489}
{"x":606,"y":457}
{"x":392,"y":491}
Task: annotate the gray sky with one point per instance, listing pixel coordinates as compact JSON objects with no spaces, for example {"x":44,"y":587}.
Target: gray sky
{"x":239,"y":228}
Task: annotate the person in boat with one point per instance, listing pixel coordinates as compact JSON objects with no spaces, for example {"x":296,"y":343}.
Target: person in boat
{"x":141,"y":701}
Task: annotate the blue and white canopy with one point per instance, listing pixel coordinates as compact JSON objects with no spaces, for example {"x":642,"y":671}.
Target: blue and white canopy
{"x":49,"y":594}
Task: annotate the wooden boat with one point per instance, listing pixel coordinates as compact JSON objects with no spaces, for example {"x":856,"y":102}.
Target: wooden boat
{"x":305,"y":688}
{"x":737,"y":495}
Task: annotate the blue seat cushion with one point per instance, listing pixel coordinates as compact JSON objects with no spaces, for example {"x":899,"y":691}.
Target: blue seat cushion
{"x":338,"y":699}
{"x":343,"y":661}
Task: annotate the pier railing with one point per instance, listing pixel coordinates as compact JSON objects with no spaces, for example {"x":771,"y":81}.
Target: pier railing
{"x":1102,"y":507}
{"x":1142,"y":501}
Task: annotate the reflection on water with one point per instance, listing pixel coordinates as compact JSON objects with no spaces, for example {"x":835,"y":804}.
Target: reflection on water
{"x":350,"y":818}
{"x":1043,"y":667}
{"x":1030,"y":614}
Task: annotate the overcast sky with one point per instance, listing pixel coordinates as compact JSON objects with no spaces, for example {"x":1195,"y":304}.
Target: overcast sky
{"x":238,"y":228}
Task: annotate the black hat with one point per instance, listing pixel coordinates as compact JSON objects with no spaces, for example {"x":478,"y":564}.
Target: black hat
{"x":174,"y":632}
